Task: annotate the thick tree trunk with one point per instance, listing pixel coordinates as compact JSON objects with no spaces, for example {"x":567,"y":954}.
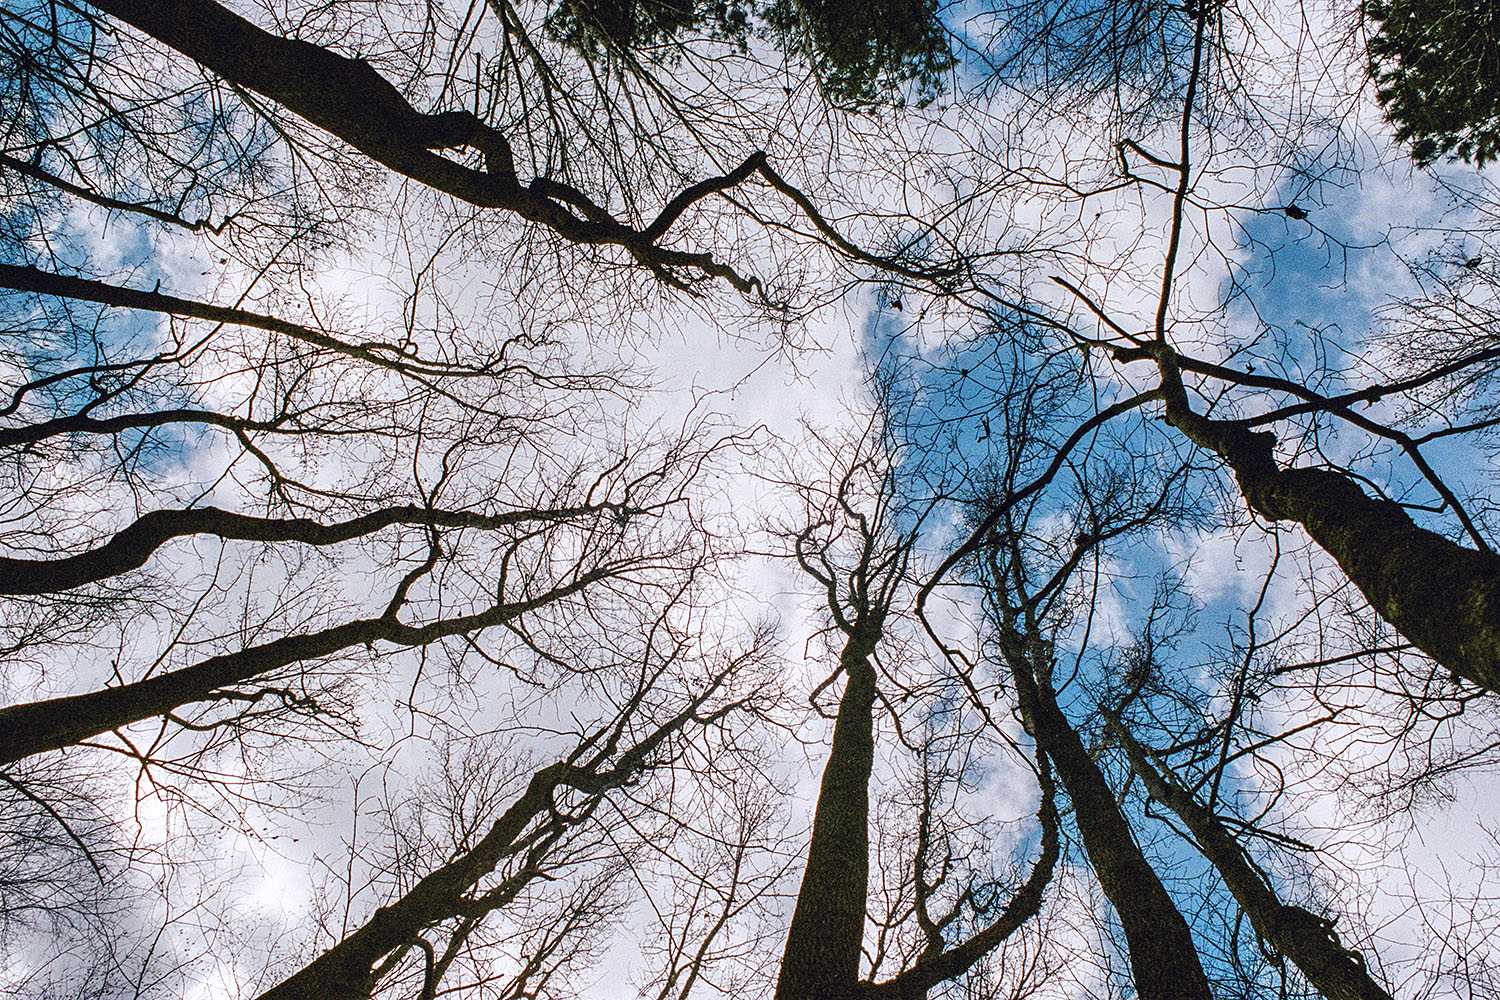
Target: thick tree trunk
{"x":821,"y":961}
{"x":1443,"y":597}
{"x":1336,"y":972}
{"x":1163,"y":960}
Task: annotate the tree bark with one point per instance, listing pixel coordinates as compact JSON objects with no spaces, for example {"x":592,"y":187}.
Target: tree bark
{"x":1310,"y":942}
{"x":38,"y":726}
{"x":821,"y":960}
{"x":1443,"y":597}
{"x":1163,"y":960}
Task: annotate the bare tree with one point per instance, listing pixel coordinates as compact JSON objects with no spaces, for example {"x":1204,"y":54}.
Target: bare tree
{"x":937,"y":923}
{"x":316,"y":448}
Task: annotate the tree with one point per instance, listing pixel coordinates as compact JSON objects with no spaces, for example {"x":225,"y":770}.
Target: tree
{"x":387,"y":501}
{"x":859,"y":56}
{"x":1437,"y":592}
{"x":526,"y":832}
{"x":858,"y":547}
{"x":1437,"y":73}
{"x":1307,"y":939}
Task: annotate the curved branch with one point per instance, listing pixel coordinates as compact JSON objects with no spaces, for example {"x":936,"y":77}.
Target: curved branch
{"x":916,"y":982}
{"x":105,"y":201}
{"x":31,"y":279}
{"x":1316,"y":401}
{"x":82,"y":423}
{"x":351,"y":100}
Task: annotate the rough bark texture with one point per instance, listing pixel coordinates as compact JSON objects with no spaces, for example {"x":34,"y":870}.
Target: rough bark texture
{"x":1309,"y":941}
{"x":1163,"y":960}
{"x":821,"y":961}
{"x":1441,"y":596}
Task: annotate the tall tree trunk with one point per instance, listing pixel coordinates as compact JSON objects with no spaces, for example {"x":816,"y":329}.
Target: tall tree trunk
{"x":1163,"y":960}
{"x":821,"y":961}
{"x":1443,"y":597}
{"x":1310,"y":942}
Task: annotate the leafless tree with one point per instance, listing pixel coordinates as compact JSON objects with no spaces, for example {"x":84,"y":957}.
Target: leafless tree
{"x":931,"y":915}
{"x":253,"y":496}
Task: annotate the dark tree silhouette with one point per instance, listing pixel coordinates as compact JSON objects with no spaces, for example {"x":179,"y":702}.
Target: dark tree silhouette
{"x":858,"y":548}
{"x":1436,"y":68}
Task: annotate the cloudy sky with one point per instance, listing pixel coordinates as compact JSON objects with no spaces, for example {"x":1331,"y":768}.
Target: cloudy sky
{"x":1311,"y":248}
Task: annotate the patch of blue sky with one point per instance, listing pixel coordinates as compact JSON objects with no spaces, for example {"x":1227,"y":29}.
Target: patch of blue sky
{"x":1097,"y":44}
{"x":47,"y":336}
{"x":1332,"y":273}
{"x":13,"y":223}
{"x":959,"y":413}
{"x":1295,"y":284}
{"x":1302,"y":298}
{"x":1308,"y":300}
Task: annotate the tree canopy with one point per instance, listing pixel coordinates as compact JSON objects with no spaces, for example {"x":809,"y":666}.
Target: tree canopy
{"x":791,"y":499}
{"x":1436,"y":68}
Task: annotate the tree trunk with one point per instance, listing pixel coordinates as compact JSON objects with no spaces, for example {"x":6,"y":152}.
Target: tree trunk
{"x":821,"y":961}
{"x":344,"y":971}
{"x":1443,"y":597}
{"x":1310,"y":942}
{"x":1163,"y":960}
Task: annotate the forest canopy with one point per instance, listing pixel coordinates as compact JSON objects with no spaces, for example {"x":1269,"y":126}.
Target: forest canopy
{"x":1436,"y":68}
{"x":799,"y":499}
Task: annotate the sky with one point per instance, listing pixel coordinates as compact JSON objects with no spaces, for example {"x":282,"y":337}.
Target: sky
{"x":307,"y":833}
